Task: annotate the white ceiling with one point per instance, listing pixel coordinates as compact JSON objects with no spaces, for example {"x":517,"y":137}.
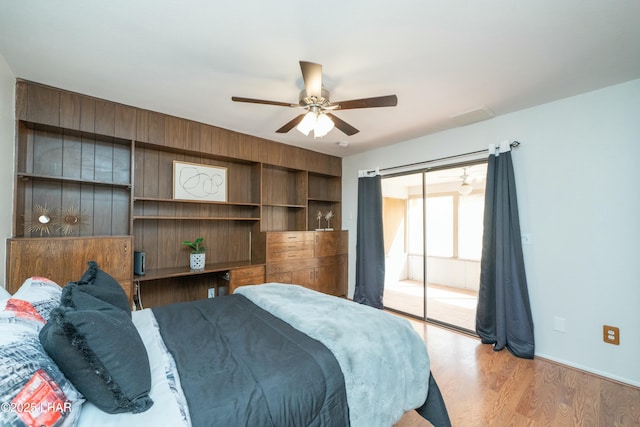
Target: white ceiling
{"x":441,"y":58}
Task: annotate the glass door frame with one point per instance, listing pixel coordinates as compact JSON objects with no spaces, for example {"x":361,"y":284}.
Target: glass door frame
{"x":423,"y":172}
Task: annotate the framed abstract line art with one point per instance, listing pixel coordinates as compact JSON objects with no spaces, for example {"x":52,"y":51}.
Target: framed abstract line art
{"x":192,"y":181}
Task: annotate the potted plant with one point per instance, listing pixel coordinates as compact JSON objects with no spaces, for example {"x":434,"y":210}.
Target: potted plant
{"x":197,"y":257}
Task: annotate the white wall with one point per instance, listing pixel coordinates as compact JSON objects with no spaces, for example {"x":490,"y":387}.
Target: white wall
{"x":7,"y":144}
{"x":577,"y":172}
{"x":454,"y":272}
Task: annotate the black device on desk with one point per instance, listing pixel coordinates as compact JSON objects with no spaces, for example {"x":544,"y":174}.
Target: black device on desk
{"x":138,"y":263}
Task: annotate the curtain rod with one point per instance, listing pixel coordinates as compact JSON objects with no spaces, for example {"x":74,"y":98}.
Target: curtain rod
{"x":513,"y":144}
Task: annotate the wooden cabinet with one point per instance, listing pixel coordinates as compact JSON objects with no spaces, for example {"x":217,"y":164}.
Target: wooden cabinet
{"x":328,"y":275}
{"x":316,"y":260}
{"x":65,"y":259}
{"x":329,"y":243}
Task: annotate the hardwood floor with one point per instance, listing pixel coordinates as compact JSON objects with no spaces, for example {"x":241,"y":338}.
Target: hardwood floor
{"x":482,"y":387}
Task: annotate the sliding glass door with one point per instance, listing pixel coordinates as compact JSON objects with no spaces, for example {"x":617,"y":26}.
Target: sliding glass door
{"x":402,"y":206}
{"x":433,"y":239}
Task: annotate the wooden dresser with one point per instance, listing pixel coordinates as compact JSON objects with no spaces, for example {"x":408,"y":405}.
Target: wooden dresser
{"x":314,"y":259}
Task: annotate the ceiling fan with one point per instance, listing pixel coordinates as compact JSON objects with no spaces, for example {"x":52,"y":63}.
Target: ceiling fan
{"x":314,"y":98}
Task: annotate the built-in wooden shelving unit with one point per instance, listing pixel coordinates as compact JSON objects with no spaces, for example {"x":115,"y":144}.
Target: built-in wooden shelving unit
{"x":113,"y":163}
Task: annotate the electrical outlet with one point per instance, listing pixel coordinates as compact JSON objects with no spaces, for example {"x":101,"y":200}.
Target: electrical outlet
{"x":611,"y":334}
{"x":211,"y":293}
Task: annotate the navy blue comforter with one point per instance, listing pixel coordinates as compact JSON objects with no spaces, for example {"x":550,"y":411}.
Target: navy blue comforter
{"x":241,"y":366}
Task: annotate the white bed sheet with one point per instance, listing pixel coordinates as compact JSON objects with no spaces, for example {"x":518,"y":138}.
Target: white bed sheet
{"x":169,"y":405}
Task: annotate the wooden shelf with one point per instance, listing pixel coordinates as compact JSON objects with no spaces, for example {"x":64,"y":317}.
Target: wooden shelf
{"x":74,"y":132}
{"x":192,"y":218}
{"x":284,"y":205}
{"x":167,"y":273}
{"x":61,"y":168}
{"x":201,"y":202}
{"x":28,"y":176}
{"x":320,"y":199}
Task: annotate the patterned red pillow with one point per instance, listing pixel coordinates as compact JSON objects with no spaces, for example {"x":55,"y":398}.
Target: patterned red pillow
{"x":23,"y":309}
{"x":41,"y":294}
{"x":41,"y":402}
{"x":33,"y":390}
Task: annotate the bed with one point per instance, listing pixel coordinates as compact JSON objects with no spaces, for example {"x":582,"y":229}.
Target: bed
{"x":270,"y":354}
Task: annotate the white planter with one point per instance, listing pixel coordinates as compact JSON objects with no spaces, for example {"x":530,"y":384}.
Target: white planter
{"x":196,"y":262}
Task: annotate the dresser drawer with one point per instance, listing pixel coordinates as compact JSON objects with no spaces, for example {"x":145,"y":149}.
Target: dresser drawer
{"x":284,"y":277}
{"x":240,"y":273}
{"x":246,"y":276}
{"x":294,"y":245}
{"x":283,"y":267}
{"x":293,"y":236}
{"x":249,"y":280}
{"x":290,"y":255}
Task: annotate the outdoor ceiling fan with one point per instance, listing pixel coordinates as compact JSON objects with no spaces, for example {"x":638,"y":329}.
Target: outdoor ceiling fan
{"x":314,"y":98}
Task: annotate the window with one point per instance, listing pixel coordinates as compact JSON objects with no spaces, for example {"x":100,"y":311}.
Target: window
{"x":440,"y":219}
{"x":414,"y":230}
{"x":454,"y":226}
{"x":470,"y":226}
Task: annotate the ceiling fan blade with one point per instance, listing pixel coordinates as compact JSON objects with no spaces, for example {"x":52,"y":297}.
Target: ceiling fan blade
{"x":379,"y":101}
{"x":290,"y":125}
{"x":262,"y":101}
{"x":312,"y":76}
{"x":342,"y":125}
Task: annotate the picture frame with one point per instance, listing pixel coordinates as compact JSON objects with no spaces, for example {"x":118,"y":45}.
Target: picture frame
{"x":192,"y":181}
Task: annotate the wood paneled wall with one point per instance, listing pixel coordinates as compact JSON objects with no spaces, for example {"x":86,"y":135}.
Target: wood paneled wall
{"x":51,"y":106}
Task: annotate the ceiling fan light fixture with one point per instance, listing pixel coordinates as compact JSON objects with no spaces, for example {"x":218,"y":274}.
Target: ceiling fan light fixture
{"x":315,"y":99}
{"x":465,"y":189}
{"x":323,"y":126}
{"x":308,"y":123}
{"x":315,"y":121}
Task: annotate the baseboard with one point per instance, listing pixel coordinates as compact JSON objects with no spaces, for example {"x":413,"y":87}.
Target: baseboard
{"x":604,"y":375}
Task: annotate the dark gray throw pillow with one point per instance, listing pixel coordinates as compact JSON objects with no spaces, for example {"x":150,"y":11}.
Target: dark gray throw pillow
{"x":101,"y":285}
{"x":97,"y":347}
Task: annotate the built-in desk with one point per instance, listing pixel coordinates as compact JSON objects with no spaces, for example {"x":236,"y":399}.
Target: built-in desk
{"x":168,"y":285}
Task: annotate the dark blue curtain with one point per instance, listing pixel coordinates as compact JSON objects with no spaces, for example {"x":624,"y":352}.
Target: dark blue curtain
{"x":370,"y":261}
{"x":503,"y":316}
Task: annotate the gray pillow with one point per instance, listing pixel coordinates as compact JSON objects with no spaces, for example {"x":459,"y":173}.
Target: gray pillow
{"x":97,"y":347}
{"x":101,"y":285}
